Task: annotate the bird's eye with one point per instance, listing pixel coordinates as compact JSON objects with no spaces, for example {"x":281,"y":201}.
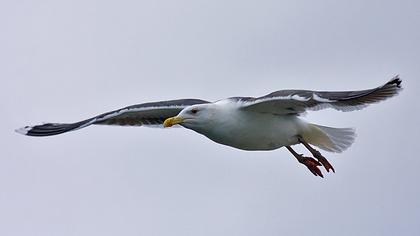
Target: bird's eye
{"x":194,"y":111}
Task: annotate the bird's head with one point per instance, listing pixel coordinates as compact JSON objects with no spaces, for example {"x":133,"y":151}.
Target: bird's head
{"x":192,"y":117}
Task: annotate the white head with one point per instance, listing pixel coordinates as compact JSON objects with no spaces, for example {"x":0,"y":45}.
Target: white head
{"x":195,"y":117}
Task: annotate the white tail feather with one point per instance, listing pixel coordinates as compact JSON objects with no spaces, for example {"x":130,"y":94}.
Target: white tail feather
{"x":330,"y":139}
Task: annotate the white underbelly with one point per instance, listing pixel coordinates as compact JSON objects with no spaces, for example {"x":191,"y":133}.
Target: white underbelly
{"x":261,"y":132}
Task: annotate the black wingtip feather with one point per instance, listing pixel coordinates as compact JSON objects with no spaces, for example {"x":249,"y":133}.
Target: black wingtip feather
{"x":49,"y":129}
{"x":395,"y":81}
{"x":45,"y":129}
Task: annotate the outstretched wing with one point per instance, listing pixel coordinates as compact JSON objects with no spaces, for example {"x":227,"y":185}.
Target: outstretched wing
{"x":148,"y":114}
{"x":298,"y":101}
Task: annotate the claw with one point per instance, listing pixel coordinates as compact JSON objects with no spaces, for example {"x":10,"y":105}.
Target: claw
{"x":312,"y":165}
{"x":317,"y":155}
{"x":324,"y":161}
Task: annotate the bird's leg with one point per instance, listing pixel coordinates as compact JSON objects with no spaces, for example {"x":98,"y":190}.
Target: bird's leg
{"x":309,"y":162}
{"x":317,"y":155}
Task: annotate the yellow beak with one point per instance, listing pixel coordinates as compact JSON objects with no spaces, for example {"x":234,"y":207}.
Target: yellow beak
{"x":172,"y":121}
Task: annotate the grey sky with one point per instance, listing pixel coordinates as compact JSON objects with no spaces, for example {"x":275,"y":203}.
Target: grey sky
{"x":64,"y":61}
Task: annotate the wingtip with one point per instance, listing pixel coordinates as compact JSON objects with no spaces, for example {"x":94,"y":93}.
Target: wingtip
{"x":23,"y":130}
{"x":395,"y":81}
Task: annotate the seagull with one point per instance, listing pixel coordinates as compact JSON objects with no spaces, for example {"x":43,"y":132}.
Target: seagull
{"x":264,"y":123}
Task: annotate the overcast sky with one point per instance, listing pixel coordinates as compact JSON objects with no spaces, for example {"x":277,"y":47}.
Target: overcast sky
{"x":64,"y":61}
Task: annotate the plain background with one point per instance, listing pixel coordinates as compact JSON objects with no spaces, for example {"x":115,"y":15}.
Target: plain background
{"x":64,"y":61}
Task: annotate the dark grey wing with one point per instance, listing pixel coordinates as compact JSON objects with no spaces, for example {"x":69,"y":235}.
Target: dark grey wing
{"x":148,"y":114}
{"x":298,"y":101}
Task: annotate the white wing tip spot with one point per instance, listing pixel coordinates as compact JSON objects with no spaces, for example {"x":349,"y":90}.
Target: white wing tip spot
{"x":23,"y":130}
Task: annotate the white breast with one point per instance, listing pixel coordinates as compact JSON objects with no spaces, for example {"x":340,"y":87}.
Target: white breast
{"x":252,"y":131}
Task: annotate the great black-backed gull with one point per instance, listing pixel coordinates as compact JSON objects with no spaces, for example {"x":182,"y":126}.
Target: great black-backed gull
{"x":264,"y":123}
